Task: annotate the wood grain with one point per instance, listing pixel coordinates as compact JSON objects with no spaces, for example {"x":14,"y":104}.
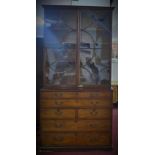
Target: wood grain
{"x":94,"y":139}
{"x":57,"y":113}
{"x":70,"y":125}
{"x":50,"y":139}
{"x":95,"y":113}
{"x":47,"y":103}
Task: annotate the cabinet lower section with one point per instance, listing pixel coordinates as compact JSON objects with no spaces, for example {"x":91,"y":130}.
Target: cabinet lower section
{"x":75,"y":119}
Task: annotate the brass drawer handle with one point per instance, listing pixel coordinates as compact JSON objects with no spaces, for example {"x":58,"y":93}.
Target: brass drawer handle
{"x":94,"y":112}
{"x":93,"y":125}
{"x":94,"y":102}
{"x":55,"y":94}
{"x":58,"y":102}
{"x":59,"y":125}
{"x":58,"y":139}
{"x":58,"y":112}
{"x":94,"y":94}
{"x":93,"y":139}
{"x":58,"y":94}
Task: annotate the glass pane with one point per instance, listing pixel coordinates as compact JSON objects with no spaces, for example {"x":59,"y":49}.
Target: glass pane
{"x":60,"y":27}
{"x":91,"y":19}
{"x":60,"y":31}
{"x":95,"y":48}
{"x":60,"y":66}
{"x":93,"y":39}
{"x":60,"y":38}
{"x":95,"y":66}
{"x":61,"y":18}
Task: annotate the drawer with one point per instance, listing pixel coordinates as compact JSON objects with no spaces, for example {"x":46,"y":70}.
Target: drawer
{"x":69,"y":125}
{"x":98,"y":102}
{"x":91,"y":125}
{"x":51,"y":95}
{"x":94,"y":113}
{"x":58,"y":125}
{"x":47,"y":103}
{"x":94,"y":94}
{"x":48,"y":139}
{"x":94,"y":139}
{"x":57,"y":113}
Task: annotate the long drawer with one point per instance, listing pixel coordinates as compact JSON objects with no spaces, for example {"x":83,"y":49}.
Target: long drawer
{"x":59,"y":139}
{"x":91,"y":113}
{"x":53,"y":95}
{"x":47,"y":103}
{"x":94,"y":113}
{"x":50,"y":139}
{"x":57,"y":113}
{"x":70,"y":125}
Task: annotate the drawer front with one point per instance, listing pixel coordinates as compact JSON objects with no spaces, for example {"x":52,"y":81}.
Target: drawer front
{"x":94,"y":139}
{"x":58,"y":125}
{"x":51,"y":95}
{"x":94,"y":94}
{"x":91,"y":125}
{"x":95,"y":113}
{"x":93,"y":102}
{"x":69,"y":125}
{"x":57,"y":113}
{"x":48,"y":139}
{"x":47,"y":103}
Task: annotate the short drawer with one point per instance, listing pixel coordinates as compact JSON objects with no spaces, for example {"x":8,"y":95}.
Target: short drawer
{"x":94,"y":139}
{"x":57,"y":113}
{"x":94,"y":113}
{"x":48,"y":139}
{"x":94,"y":125}
{"x":51,"y":95}
{"x":58,"y":125}
{"x":95,"y":102}
{"x":47,"y":103}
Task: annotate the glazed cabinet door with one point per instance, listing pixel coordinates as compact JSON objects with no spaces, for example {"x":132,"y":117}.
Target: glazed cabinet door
{"x":95,"y":47}
{"x":60,"y":32}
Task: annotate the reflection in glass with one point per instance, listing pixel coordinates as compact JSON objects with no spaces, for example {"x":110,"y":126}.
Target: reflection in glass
{"x":61,"y":66}
{"x":95,"y":43}
{"x":95,"y":68}
{"x":60,"y":41}
{"x":66,"y":49}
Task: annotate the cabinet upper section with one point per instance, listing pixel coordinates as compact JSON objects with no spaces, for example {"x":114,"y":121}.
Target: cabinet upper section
{"x":77,"y":46}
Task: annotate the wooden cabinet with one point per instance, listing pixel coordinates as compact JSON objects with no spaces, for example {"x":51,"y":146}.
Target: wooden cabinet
{"x":76,"y":98}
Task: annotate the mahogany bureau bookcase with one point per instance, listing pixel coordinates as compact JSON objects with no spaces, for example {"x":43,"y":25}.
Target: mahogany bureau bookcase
{"x":76,"y":97}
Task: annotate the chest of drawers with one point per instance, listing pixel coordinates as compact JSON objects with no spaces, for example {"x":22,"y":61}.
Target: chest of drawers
{"x":75,"y":119}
